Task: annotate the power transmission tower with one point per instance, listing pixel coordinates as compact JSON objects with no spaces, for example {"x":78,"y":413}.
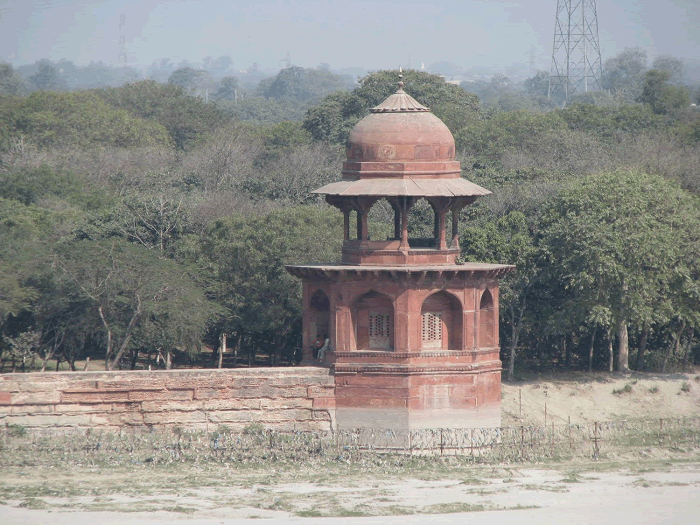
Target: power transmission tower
{"x":576,"y":63}
{"x":122,"y":41}
{"x":531,"y":55}
{"x":287,"y":61}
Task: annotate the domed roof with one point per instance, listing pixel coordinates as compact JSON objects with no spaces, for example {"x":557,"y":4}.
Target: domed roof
{"x":401,"y":149}
{"x":400,"y":129}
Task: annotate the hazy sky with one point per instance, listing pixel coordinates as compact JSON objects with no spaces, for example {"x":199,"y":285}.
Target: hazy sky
{"x":347,"y":33}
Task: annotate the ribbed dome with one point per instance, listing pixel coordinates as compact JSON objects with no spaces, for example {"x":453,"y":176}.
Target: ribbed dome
{"x":400,"y":129}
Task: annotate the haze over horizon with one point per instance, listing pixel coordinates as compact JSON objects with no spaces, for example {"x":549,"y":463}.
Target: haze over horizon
{"x":362,"y":34}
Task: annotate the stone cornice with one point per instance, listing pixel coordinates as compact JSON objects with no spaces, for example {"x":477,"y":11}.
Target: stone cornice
{"x":396,"y":369}
{"x":413,"y":354}
{"x":406,"y":273}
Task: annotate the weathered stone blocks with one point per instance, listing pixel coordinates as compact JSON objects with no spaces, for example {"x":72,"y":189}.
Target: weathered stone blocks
{"x":299,"y":398}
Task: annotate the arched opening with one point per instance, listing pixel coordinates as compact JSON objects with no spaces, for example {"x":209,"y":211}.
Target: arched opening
{"x":319,"y":315}
{"x":441,"y":317}
{"x":487,"y":321}
{"x":373,"y":322}
{"x":421,"y":225}
{"x":384,"y":221}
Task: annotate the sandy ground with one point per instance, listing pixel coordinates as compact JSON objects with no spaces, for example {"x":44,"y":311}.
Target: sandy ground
{"x":628,"y":496}
{"x":589,"y":397}
{"x":649,"y":489}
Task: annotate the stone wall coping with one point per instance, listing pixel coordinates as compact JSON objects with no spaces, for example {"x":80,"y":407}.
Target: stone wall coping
{"x":271,"y":372}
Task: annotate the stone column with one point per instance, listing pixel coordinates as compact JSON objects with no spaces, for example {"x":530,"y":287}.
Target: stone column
{"x":405,"y":205}
{"x":346,"y":224}
{"x":440,"y":206}
{"x":456,"y":210}
{"x":441,"y":216}
{"x":397,"y":221}
{"x":306,"y":337}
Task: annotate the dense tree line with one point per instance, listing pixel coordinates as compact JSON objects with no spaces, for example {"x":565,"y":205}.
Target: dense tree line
{"x":146,"y":220}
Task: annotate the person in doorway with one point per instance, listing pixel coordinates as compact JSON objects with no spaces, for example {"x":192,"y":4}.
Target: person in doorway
{"x":326,"y":346}
{"x":317,"y":345}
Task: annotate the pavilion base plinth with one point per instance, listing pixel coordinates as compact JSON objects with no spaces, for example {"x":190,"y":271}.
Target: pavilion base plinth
{"x":452,"y":390}
{"x":404,"y":419}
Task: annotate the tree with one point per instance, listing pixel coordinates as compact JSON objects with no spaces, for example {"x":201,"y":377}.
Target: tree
{"x":185,"y":118}
{"x":662,"y":97}
{"x":221,"y":65}
{"x":538,"y":85}
{"x":671,"y":65}
{"x":508,"y":131}
{"x":190,"y":79}
{"x":30,"y":185}
{"x":130,"y":288}
{"x":336,"y":114}
{"x":622,"y":75}
{"x":293,"y":175}
{"x":246,"y":256}
{"x":81,"y":119}
{"x":47,"y":77}
{"x":10,"y":82}
{"x":334,"y":117}
{"x":611,"y":123}
{"x":227,"y":156}
{"x":302,"y":86}
{"x":228,"y":89}
{"x":507,"y":240}
{"x":616,"y":239}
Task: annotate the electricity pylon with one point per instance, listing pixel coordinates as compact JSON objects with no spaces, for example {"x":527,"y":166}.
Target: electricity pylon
{"x":576,"y":63}
{"x":122,"y":41}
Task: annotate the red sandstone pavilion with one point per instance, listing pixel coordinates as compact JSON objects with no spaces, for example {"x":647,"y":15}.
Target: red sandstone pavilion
{"x":414,"y":335}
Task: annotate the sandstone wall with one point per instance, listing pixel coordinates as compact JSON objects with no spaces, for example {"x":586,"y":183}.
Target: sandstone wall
{"x":281,"y":398}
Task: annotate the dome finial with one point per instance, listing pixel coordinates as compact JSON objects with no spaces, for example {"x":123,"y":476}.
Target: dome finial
{"x":401,"y":83}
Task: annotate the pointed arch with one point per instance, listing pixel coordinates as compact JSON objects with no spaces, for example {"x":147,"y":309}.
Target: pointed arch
{"x":487,"y":321}
{"x":319,"y":314}
{"x":373,"y":322}
{"x":441,"y":318}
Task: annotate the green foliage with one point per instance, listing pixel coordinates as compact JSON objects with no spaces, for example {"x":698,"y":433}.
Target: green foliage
{"x":284,"y":136}
{"x":260,"y":110}
{"x":487,"y":140}
{"x":185,"y":118}
{"x":617,"y":241}
{"x":508,"y":240}
{"x":141,"y":298}
{"x":284,"y":97}
{"x":30,"y":185}
{"x":538,"y":85}
{"x":335,"y":116}
{"x":189,"y":79}
{"x":10,"y":82}
{"x":227,"y":89}
{"x":298,"y":85}
{"x":622,"y":74}
{"x":671,"y":65}
{"x":47,"y":77}
{"x":80,"y":120}
{"x":611,"y":123}
{"x":660,"y":95}
{"x":246,"y":256}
